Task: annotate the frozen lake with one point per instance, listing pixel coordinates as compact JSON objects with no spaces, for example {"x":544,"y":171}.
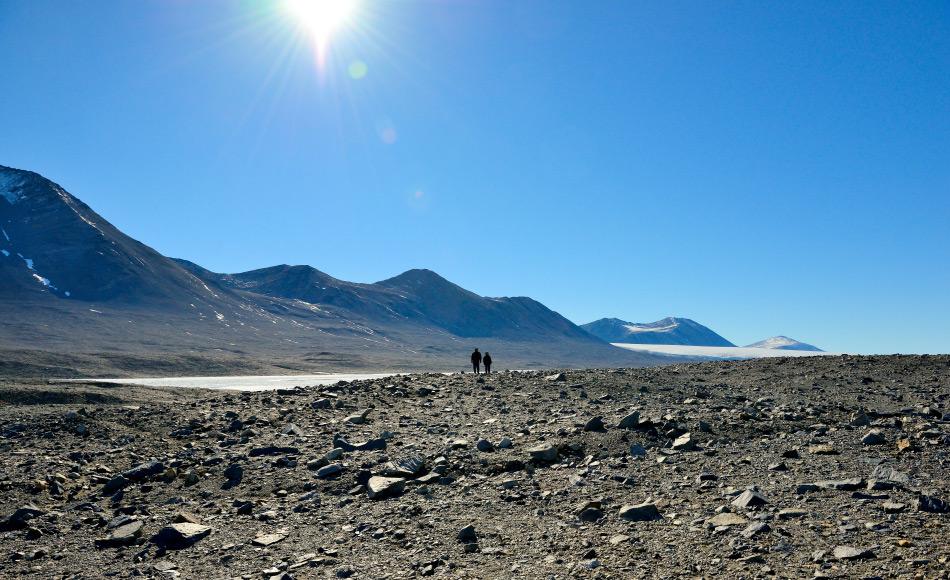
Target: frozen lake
{"x":245,"y":383}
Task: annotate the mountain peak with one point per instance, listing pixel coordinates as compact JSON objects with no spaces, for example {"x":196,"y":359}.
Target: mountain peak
{"x":415,"y":276}
{"x":781,"y":342}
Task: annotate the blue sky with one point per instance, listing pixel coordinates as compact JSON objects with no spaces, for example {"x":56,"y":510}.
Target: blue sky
{"x":762,"y":167}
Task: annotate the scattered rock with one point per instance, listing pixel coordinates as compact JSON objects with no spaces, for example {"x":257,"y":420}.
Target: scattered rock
{"x":927,"y":503}
{"x":122,"y":536}
{"x":684,"y":443}
{"x":594,"y":424}
{"x":727,"y":519}
{"x":269,"y":539}
{"x":383,"y":487}
{"x":180,"y":536}
{"x":874,"y":437}
{"x":643,"y":512}
{"x":631,"y":421}
{"x":852,"y":553}
{"x":543,"y":452}
{"x":749,"y":498}
{"x":467,"y":535}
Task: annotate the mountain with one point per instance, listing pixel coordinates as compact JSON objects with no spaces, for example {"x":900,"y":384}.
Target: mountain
{"x":783,"y":343}
{"x":80,"y":296}
{"x":667,"y":331}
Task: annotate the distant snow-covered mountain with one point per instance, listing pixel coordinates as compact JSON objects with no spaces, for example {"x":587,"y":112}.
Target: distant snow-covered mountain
{"x":783,"y":343}
{"x":667,"y":331}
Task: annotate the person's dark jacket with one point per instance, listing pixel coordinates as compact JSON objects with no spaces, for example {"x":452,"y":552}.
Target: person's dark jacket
{"x":487,"y":360}
{"x":476,"y":358}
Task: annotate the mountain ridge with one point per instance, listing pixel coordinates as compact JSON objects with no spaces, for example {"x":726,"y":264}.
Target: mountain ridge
{"x":670,"y":330}
{"x":124,"y":296}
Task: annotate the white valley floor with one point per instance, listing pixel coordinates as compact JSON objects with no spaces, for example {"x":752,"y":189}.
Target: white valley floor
{"x":247,"y":383}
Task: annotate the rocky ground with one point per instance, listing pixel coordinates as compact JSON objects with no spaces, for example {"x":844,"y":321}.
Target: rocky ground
{"x":811,"y":467}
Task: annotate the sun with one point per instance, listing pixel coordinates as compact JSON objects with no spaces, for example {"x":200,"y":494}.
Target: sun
{"x":321,"y":17}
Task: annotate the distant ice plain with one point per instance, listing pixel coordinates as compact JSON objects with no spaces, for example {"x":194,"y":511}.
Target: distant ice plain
{"x":718,"y":352}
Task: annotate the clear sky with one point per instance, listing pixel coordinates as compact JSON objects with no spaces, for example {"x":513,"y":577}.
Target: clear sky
{"x":762,"y":167}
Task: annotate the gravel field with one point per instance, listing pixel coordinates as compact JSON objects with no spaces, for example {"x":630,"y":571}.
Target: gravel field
{"x":785,"y":467}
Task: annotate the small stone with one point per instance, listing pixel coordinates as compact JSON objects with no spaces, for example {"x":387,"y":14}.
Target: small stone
{"x":544,"y":452}
{"x":122,"y":536}
{"x":269,"y":539}
{"x":749,"y":498}
{"x":383,"y":487}
{"x":905,"y":445}
{"x":178,"y":536}
{"x":594,"y":424}
{"x":291,"y":429}
{"x":823,"y":449}
{"x":556,"y":378}
{"x":894,"y":507}
{"x":789,"y":513}
{"x":930,"y":504}
{"x":234,"y":473}
{"x":874,"y":437}
{"x":852,"y":553}
{"x":684,"y":443}
{"x":726,"y":519}
{"x":144,"y":470}
{"x":467,"y":535}
{"x":630,"y":421}
{"x":754,"y":529}
{"x":406,"y":468}
{"x":358,"y":419}
{"x":331,"y":470}
{"x":185,"y":518}
{"x":484,"y":445}
{"x":842,"y":484}
{"x":115,"y":484}
{"x":619,"y":539}
{"x":590,"y":514}
{"x":321,"y":404}
{"x":637,"y":450}
{"x":505,"y":443}
{"x":643,"y":512}
{"x":20,"y":517}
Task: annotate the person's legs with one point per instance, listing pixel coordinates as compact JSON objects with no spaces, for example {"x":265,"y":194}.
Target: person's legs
{"x":475,"y":368}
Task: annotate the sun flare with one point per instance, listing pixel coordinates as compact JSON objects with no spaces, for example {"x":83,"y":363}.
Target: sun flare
{"x":322,"y":17}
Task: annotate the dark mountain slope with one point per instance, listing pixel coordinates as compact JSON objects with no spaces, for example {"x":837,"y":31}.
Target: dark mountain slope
{"x":55,"y":244}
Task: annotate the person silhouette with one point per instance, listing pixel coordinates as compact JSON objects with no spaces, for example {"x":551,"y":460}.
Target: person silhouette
{"x":486,"y":360}
{"x":476,"y":361}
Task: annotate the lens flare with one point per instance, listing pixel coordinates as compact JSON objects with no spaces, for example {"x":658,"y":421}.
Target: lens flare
{"x":321,"y":17}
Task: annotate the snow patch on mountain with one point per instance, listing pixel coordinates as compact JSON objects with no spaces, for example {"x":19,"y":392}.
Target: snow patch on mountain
{"x":11,"y":188}
{"x":650,"y":328}
{"x":783,"y":343}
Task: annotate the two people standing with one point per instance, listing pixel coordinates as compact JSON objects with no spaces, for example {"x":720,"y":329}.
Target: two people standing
{"x":478,"y":360}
